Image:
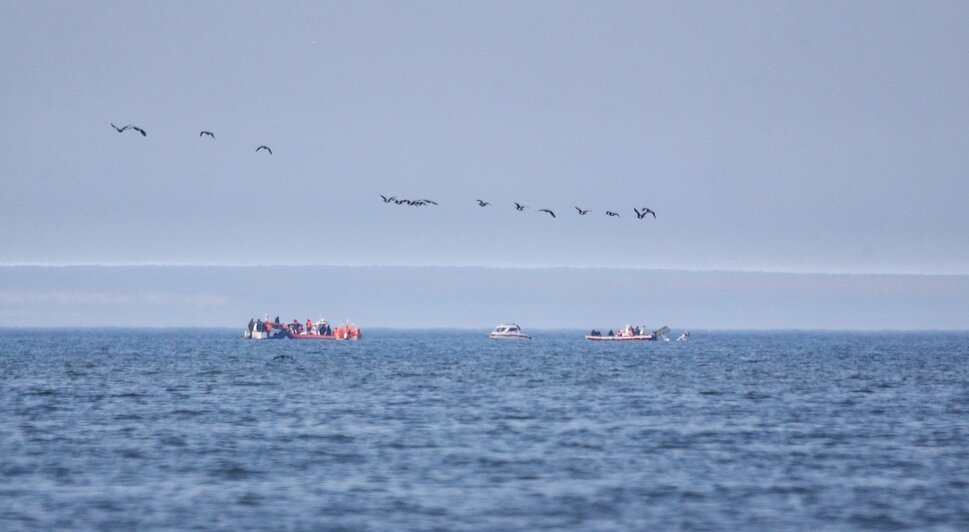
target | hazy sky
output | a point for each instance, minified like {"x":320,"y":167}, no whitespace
{"x":579,"y":298}
{"x":803,"y":136}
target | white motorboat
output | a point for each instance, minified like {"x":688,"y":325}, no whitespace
{"x":264,"y":330}
{"x":508,"y":331}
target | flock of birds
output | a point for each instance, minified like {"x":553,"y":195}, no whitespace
{"x":202,"y":133}
{"x":640,"y":214}
{"x":520,"y":207}
{"x":131,"y":127}
{"x":413,"y":203}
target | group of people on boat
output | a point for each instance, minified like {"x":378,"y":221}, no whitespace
{"x":321,"y":327}
{"x":264,"y":328}
{"x":321,"y":330}
{"x":623,"y":332}
{"x":258,"y":325}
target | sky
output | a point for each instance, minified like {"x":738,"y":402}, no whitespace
{"x":477,"y":298}
{"x":767,"y":136}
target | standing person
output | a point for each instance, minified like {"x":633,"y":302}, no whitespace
{"x":309,"y":326}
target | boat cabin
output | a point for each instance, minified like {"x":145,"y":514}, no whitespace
{"x":508,"y":328}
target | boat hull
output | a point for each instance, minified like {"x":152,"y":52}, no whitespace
{"x":330,"y":337}
{"x":263,"y":335}
{"x":639,"y":338}
{"x":494,"y":336}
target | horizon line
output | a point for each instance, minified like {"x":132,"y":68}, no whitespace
{"x":469,"y":266}
{"x":478,"y":329}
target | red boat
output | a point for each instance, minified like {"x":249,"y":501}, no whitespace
{"x":321,"y":330}
{"x":346,"y":332}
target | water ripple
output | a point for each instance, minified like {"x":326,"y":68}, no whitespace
{"x":448,"y":430}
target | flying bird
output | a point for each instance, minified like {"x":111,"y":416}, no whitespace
{"x":548,"y":211}
{"x":610,"y":213}
{"x":209,"y":133}
{"x":120,"y":129}
{"x":646,"y":210}
{"x":429,"y":201}
{"x":265,"y":148}
{"x":482,"y":203}
{"x":520,"y":207}
{"x":386,"y":199}
{"x":582,"y":212}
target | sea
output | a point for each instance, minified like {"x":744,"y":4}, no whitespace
{"x":179,"y":429}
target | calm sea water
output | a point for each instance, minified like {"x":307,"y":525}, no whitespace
{"x":449,"y":430}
